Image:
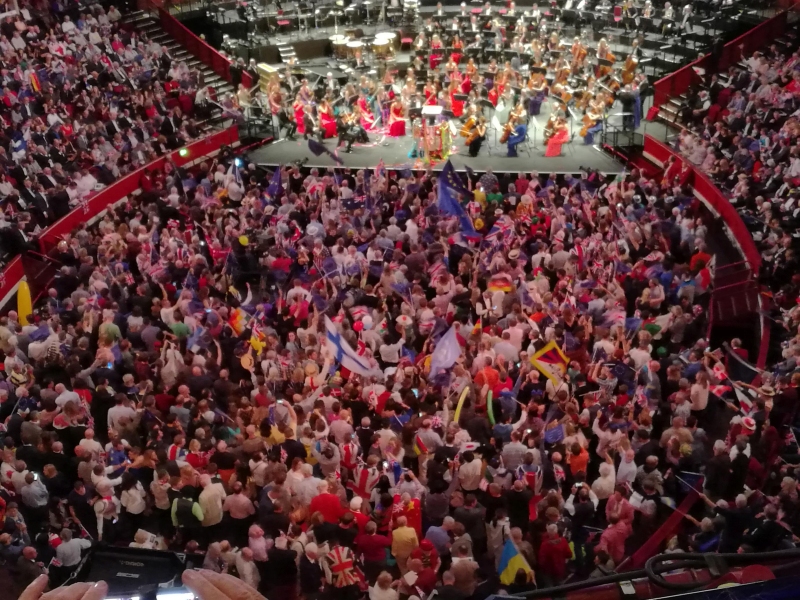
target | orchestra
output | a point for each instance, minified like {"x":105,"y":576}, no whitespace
{"x":488,"y":71}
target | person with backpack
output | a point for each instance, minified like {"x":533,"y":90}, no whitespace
{"x":187,"y":515}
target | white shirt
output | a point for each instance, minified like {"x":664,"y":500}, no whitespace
{"x":116,"y":413}
{"x":133,"y":499}
{"x":69,"y":553}
{"x":67,"y":396}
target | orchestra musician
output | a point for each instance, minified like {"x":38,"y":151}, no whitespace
{"x":397,"y":121}
{"x":668,"y":21}
{"x":647,"y":17}
{"x":344,"y":129}
{"x":476,"y":137}
{"x":579,"y":52}
{"x":594,"y":113}
{"x":311,"y":125}
{"x":686,"y":22}
{"x":604,"y":53}
{"x":518,"y":136}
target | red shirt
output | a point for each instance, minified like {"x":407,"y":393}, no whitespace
{"x":373,"y":547}
{"x":553,"y":556}
{"x":329,"y":505}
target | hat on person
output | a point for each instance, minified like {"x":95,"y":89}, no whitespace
{"x":426,"y":545}
{"x":766,"y":390}
{"x":404,"y":320}
{"x":749,"y":425}
{"x":514,"y":253}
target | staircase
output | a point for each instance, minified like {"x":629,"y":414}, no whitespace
{"x":287,"y":52}
{"x":144,"y":23}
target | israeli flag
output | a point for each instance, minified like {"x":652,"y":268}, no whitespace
{"x":344,"y":354}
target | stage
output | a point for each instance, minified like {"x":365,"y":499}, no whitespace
{"x":394,"y":152}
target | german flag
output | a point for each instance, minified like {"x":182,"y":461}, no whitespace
{"x":500,"y":283}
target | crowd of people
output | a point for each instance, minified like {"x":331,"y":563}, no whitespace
{"x":84,"y":100}
{"x":386,"y":382}
{"x":741,"y":130}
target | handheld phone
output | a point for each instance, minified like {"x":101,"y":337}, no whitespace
{"x":386,"y":464}
{"x":416,"y":392}
{"x":110,"y":365}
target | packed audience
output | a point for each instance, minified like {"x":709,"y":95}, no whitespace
{"x":326,"y":384}
{"x":338,"y":383}
{"x":84,"y":100}
{"x":742,"y":130}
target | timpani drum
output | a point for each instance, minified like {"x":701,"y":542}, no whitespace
{"x":381,"y":48}
{"x":390,"y":36}
{"x":354,"y":48}
{"x":339,"y":43}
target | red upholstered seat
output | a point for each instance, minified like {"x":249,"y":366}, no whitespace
{"x":283,"y":23}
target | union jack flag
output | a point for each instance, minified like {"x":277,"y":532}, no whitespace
{"x":436,"y":270}
{"x":342,"y":567}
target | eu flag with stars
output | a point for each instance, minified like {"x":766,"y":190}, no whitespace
{"x":448,"y":202}
{"x":275,"y":187}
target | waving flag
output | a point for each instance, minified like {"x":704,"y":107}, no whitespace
{"x":234,"y":170}
{"x":238,"y":320}
{"x":318,"y":149}
{"x":447,"y":202}
{"x":551,"y":362}
{"x":511,"y":561}
{"x":501,"y":282}
{"x":657,"y":325}
{"x":344,"y":354}
{"x":446,"y":352}
{"x":274,"y":188}
{"x":478,"y":328}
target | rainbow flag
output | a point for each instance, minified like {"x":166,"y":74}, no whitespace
{"x":238,"y":321}
{"x":500,"y":283}
{"x":551,"y":362}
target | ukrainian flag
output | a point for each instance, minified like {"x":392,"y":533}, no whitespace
{"x":511,"y":561}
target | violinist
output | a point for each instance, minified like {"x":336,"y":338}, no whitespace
{"x":311,"y":125}
{"x":668,"y":20}
{"x":436,"y":56}
{"x":476,"y":138}
{"x":344,"y":127}
{"x":553,"y":43}
{"x":536,"y":52}
{"x":458,"y":46}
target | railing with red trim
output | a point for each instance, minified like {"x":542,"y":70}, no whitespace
{"x":708,"y":192}
{"x":130,"y":183}
{"x":678,"y":82}
{"x":14,"y":271}
{"x":198,"y":48}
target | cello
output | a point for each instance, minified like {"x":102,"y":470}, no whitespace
{"x":509,"y":128}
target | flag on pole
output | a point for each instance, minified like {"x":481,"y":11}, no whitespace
{"x":275,"y":187}
{"x":447,"y":202}
{"x":477,"y":328}
{"x":551,"y":362}
{"x":445,"y":353}
{"x":511,"y":561}
{"x":343,"y":353}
